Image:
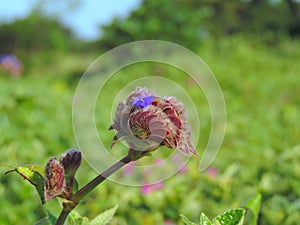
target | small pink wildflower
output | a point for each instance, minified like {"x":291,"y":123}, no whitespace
{"x":169,"y":222}
{"x":177,"y":158}
{"x":129,"y":168}
{"x":149,"y":188}
{"x":212,"y":172}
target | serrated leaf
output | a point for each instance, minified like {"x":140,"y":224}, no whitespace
{"x":104,"y":217}
{"x":204,"y":220}
{"x":231,"y":217}
{"x":76,"y":219}
{"x":186,"y":220}
{"x":254,"y":206}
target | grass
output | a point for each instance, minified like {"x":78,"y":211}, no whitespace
{"x":260,"y":152}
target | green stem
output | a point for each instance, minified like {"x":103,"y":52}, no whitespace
{"x":89,"y":187}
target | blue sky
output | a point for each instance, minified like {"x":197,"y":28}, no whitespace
{"x":84,"y":17}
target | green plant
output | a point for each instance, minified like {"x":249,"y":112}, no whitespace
{"x":260,"y":153}
{"x":230,"y":217}
{"x":145,"y":121}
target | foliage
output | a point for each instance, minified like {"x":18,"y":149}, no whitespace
{"x":260,"y":153}
{"x":230,"y":217}
{"x":101,"y":219}
{"x":254,"y":205}
{"x":186,"y":22}
{"x":189,"y":22}
{"x":156,"y":20}
{"x":33,"y":176}
{"x":35,"y":33}
{"x":75,"y":218}
{"x":231,"y":17}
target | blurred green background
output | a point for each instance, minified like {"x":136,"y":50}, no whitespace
{"x":253,"y":48}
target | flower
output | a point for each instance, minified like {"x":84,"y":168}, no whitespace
{"x":212,"y":172}
{"x":128,"y":169}
{"x":10,"y":64}
{"x":149,"y":188}
{"x":54,"y":183}
{"x":146,"y":121}
{"x":180,"y":161}
{"x":169,"y":222}
{"x":143,"y":99}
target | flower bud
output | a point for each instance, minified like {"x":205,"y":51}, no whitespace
{"x":146,"y":121}
{"x":54,"y":183}
{"x":70,"y":160}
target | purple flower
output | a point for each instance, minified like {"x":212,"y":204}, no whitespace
{"x":11,"y":64}
{"x":146,"y":121}
{"x":142,"y":98}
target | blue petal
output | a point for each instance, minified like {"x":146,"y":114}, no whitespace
{"x":144,"y":99}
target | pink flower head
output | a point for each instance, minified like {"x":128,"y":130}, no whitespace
{"x":128,"y":169}
{"x":178,"y":159}
{"x":212,"y":172}
{"x":149,"y":188}
{"x":169,"y":222}
{"x":159,"y":162}
{"x":184,"y":169}
{"x":146,"y":121}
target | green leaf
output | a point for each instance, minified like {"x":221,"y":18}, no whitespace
{"x":49,"y":220}
{"x":104,"y":217}
{"x":43,"y":221}
{"x":37,"y":168}
{"x":34,"y":177}
{"x":186,"y":220}
{"x":254,"y":206}
{"x":204,"y":220}
{"x":76,"y":219}
{"x":231,"y":217}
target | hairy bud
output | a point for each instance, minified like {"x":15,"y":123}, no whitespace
{"x":54,"y":183}
{"x":146,"y":121}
